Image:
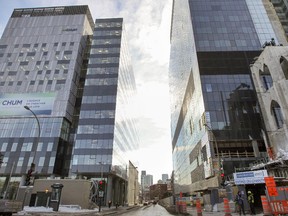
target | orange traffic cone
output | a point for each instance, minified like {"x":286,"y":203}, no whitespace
{"x":198,"y":207}
{"x":226,"y":207}
{"x":266,"y":206}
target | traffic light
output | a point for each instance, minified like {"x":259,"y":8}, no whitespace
{"x":28,"y":177}
{"x":29,"y":174}
{"x":222,"y":174}
{"x":101,"y":185}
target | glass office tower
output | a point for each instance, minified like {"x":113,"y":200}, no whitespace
{"x":41,"y":54}
{"x":107,"y":136}
{"x":215,"y":119}
{"x":77,"y":81}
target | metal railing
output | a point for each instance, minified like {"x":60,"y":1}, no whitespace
{"x":233,"y":154}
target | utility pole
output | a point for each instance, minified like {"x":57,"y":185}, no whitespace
{"x":32,"y":166}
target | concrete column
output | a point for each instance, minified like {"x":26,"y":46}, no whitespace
{"x":255,"y":148}
{"x":109,"y":195}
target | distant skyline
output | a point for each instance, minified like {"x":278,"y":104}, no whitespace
{"x":148,"y":27}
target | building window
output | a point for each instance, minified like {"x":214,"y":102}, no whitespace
{"x":26,"y":46}
{"x":266,"y":77}
{"x":39,"y":146}
{"x":4,"y":147}
{"x":52,"y":161}
{"x":284,"y":66}
{"x":41,"y":161}
{"x":24,"y":63}
{"x":50,"y":147}
{"x":277,"y":114}
{"x":208,"y":87}
{"x":14,"y":147}
{"x":26,"y":147}
{"x":20,"y":161}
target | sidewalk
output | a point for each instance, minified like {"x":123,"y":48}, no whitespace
{"x":104,"y":211}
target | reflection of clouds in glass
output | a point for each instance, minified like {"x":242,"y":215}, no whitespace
{"x":147,"y":25}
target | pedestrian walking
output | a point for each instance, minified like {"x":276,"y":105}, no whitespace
{"x":109,"y":203}
{"x":240,"y":202}
{"x":251,"y":202}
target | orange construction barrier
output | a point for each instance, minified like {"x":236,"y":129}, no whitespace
{"x":198,"y":207}
{"x":279,"y":207}
{"x":184,"y":207}
{"x":226,"y":207}
{"x":266,"y":206}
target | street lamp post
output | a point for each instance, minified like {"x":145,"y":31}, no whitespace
{"x":32,"y":167}
{"x":9,"y":179}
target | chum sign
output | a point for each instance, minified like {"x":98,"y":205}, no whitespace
{"x":13,"y":104}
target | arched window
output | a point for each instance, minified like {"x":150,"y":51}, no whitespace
{"x":284,"y":66}
{"x":265,"y":77}
{"x":277,"y":114}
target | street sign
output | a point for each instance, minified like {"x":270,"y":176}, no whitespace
{"x":272,"y":191}
{"x":101,"y":193}
{"x":271,"y":186}
{"x":270,"y":182}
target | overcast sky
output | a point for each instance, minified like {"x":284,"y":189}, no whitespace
{"x":147,"y":24}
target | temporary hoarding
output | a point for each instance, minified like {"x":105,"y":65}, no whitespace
{"x":250,"y":177}
{"x":39,"y":103}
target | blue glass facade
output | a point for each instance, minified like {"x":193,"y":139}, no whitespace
{"x":79,"y":82}
{"x":106,"y":131}
{"x":214,"y":110}
{"x":41,"y":55}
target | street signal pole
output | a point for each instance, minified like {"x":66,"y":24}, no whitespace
{"x":222,"y":173}
{"x":101,"y":192}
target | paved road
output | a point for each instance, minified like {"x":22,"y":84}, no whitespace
{"x":151,"y":210}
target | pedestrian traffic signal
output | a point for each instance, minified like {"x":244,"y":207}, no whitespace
{"x":101,"y":185}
